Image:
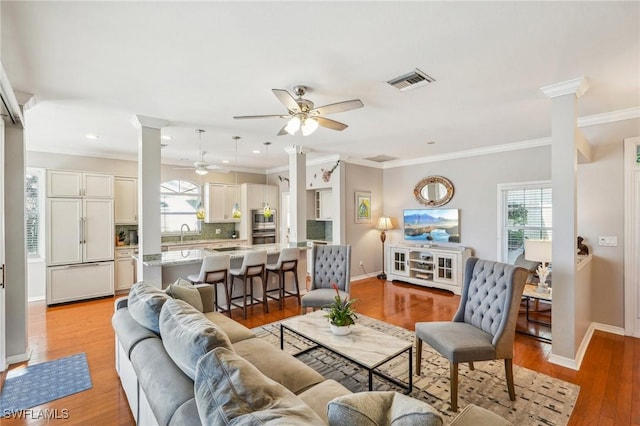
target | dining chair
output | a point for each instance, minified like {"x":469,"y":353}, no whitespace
{"x":484,"y":326}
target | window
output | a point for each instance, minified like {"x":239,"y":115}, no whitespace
{"x":179,"y":200}
{"x":33,"y":212}
{"x":526,"y":211}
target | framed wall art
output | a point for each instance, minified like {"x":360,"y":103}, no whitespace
{"x":363,"y":206}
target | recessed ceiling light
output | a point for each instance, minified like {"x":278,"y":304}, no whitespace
{"x":225,"y":161}
{"x":92,"y":136}
{"x":166,"y":137}
{"x":256,"y":151}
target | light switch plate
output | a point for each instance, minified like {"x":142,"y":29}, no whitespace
{"x":607,"y":241}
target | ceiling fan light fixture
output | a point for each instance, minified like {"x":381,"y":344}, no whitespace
{"x":309,"y":126}
{"x":202,"y":171}
{"x":293,"y":125}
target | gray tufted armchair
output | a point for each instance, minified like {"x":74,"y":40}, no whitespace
{"x":331,"y":265}
{"x":484,"y":327}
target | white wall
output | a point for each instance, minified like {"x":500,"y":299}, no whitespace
{"x":363,"y":237}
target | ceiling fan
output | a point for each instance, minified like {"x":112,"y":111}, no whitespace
{"x":302,"y":114}
{"x":200,"y":166}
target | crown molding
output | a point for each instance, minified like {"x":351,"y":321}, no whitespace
{"x":297,"y":149}
{"x":578,"y":86}
{"x":609,"y":117}
{"x":533,"y":143}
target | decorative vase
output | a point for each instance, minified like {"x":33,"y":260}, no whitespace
{"x":340,"y":330}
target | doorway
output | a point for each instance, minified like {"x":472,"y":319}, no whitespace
{"x":632,"y":237}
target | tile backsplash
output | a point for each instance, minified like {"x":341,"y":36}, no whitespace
{"x":319,"y":230}
{"x":207,"y":232}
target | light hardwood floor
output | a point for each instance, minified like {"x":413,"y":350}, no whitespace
{"x":609,"y":377}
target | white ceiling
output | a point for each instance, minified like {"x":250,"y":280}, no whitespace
{"x":93,"y":65}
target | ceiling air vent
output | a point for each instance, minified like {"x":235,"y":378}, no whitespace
{"x":411,"y":81}
{"x":381,"y":158}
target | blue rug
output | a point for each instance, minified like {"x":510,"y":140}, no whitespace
{"x":41,"y":383}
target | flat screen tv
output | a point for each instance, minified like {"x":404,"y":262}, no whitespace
{"x":434,"y":225}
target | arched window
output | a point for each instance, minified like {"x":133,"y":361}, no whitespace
{"x":179,"y":200}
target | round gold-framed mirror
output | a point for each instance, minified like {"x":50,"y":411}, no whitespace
{"x":433,"y":191}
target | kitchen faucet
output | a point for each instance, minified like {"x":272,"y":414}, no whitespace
{"x":182,"y":231}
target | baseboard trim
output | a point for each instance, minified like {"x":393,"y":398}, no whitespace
{"x":36,"y":299}
{"x":14,"y":359}
{"x":608,"y":328}
{"x":575,"y":364}
{"x":363,"y":277}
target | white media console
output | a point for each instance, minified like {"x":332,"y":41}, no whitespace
{"x":429,"y":266}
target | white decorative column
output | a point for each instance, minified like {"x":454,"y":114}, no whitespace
{"x":15,"y":278}
{"x":297,"y":193}
{"x":570,"y":300}
{"x":149,"y":180}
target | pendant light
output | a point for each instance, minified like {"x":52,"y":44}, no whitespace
{"x":266,"y":211}
{"x":235,"y":211}
{"x":201,"y":167}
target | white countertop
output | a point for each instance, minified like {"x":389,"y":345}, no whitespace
{"x":183,"y":257}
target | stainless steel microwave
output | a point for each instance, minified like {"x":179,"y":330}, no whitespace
{"x":258,"y":221}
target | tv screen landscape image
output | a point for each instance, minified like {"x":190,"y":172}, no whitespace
{"x":434,"y":225}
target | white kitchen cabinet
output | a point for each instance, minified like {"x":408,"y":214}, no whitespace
{"x":76,"y":282}
{"x":125,"y":270}
{"x":323,"y":204}
{"x":125,"y":200}
{"x":219,"y":200}
{"x":435,"y":266}
{"x":64,"y":183}
{"x":256,"y":195}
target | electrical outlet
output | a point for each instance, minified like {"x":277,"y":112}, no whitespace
{"x":361,"y":263}
{"x":218,"y":231}
{"x":607,"y":241}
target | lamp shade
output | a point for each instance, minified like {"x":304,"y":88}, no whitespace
{"x":537,"y":250}
{"x":384,"y":223}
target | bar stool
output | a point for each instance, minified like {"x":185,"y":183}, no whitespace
{"x":287,"y":262}
{"x":253,"y":266}
{"x":215,"y":271}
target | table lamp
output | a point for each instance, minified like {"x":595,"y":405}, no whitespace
{"x":539,"y":251}
{"x":384,"y":224}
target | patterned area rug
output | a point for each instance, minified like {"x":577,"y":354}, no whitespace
{"x":41,"y":383}
{"x":540,"y":399}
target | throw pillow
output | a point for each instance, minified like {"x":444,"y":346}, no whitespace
{"x":229,"y":390}
{"x":144,"y":304}
{"x":185,"y":291}
{"x":187,"y":335}
{"x":377,"y":408}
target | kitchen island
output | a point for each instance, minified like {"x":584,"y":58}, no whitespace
{"x":180,"y":263}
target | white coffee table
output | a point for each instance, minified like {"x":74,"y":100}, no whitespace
{"x":364,"y":346}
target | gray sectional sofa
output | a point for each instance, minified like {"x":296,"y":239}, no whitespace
{"x":181,"y":363}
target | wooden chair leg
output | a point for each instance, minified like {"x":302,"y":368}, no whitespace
{"x":508,"y":372}
{"x":454,"y":386}
{"x":227,"y":292}
{"x":471,"y":367}
{"x":244,"y":297}
{"x":418,"y":355}
{"x":281,"y":284}
{"x":263,"y":277}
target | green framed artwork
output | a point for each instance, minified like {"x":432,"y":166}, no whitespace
{"x":363,"y":207}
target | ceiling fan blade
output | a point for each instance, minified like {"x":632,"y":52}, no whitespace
{"x":243,"y":117}
{"x":283,"y":131}
{"x":330,"y":124}
{"x":337,"y":107}
{"x":286,"y":99}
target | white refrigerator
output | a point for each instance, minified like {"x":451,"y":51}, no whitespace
{"x":80,"y":248}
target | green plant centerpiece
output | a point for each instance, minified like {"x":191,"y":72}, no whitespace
{"x":341,"y":313}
